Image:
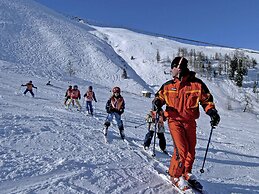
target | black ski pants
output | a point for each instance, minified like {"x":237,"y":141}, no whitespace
{"x":161,"y":137}
{"x":28,"y":91}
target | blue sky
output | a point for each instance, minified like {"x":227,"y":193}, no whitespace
{"x":233,"y":23}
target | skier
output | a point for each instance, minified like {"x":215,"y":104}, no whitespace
{"x":68,"y":95}
{"x":76,"y":96}
{"x":182,"y":96}
{"x":150,"y":119}
{"x":29,"y":86}
{"x":115,"y":107}
{"x":89,"y":97}
{"x":48,"y":84}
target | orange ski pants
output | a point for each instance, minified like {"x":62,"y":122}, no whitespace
{"x":184,"y":138}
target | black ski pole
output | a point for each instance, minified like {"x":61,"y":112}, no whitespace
{"x":140,"y":125}
{"x":156,"y":122}
{"x":201,"y":170}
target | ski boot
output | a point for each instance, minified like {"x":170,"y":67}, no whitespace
{"x":181,"y":183}
{"x":121,"y":128}
{"x":105,"y":129}
{"x":193,"y":182}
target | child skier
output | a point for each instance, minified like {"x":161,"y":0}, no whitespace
{"x":29,"y":86}
{"x":68,"y":95}
{"x":115,"y":107}
{"x":89,"y":97}
{"x":76,"y":96}
{"x":150,"y":119}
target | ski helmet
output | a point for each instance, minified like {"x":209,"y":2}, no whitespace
{"x":116,"y":90}
{"x":30,"y":81}
{"x":70,"y":87}
{"x":90,"y":87}
{"x":75,"y":87}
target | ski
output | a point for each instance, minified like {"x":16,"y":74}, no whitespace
{"x":196,"y":185}
{"x":105,"y":134}
{"x":162,"y":170}
{"x":147,"y":150}
{"x":167,"y":153}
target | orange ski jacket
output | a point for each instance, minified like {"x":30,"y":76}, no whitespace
{"x":29,"y":86}
{"x":182,"y":97}
{"x":75,"y":94}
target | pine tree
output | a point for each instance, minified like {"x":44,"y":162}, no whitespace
{"x":158,"y":58}
{"x":233,"y":68}
{"x":255,"y":87}
{"x":239,"y":78}
{"x":240,"y":74}
{"x":254,"y":63}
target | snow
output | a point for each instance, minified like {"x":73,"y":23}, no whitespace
{"x":47,"y":149}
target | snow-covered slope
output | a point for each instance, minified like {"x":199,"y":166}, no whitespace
{"x":42,"y":43}
{"x":143,"y":48}
{"x":47,"y":149}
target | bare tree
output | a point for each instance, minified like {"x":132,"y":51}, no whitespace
{"x":70,"y":69}
{"x":229,"y":106}
{"x":248,"y":105}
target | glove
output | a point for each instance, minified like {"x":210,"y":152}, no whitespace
{"x":108,"y":110}
{"x":121,"y":111}
{"x":157,"y":104}
{"x":215,"y":118}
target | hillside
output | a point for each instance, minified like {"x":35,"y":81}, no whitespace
{"x":35,"y":37}
{"x":48,"y":149}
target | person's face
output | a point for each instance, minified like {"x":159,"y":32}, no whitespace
{"x":116,"y":94}
{"x":175,"y":71}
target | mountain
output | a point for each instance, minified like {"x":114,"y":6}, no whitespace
{"x":48,"y":149}
{"x":53,"y":42}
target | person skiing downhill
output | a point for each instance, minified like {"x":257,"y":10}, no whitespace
{"x":29,"y":86}
{"x":115,"y":107}
{"x":89,"y":97}
{"x":68,"y":95}
{"x":150,"y":119}
{"x":76,"y":96}
{"x":182,"y":96}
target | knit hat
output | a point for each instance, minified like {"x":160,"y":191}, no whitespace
{"x":181,"y":62}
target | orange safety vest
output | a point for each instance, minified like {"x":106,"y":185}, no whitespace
{"x":182,"y":98}
{"x":29,"y":86}
{"x":89,"y":96}
{"x":75,"y":94}
{"x":69,"y":92}
{"x":117,"y":103}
